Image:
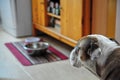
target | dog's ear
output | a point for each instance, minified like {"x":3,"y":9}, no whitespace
{"x":112,"y":39}
{"x":94,"y":51}
{"x":74,"y":57}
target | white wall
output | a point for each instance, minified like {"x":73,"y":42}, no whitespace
{"x":0,"y":19}
{"x":16,"y":17}
{"x":6,"y":15}
{"x":118,"y":22}
{"x":0,"y":16}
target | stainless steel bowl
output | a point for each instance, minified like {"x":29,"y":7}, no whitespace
{"x":36,"y":48}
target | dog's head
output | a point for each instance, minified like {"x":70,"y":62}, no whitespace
{"x":90,"y":48}
{"x":86,"y":49}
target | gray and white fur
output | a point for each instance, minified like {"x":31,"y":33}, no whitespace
{"x":96,"y":48}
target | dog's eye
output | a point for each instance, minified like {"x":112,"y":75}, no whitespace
{"x":89,"y":52}
{"x":93,"y":47}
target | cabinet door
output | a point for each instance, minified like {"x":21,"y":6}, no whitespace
{"x":34,"y":11}
{"x":41,"y":12}
{"x":71,"y":18}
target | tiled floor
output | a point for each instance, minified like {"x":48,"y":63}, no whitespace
{"x":11,"y":69}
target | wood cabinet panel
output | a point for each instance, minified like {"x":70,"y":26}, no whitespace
{"x":35,"y":11}
{"x":71,"y":27}
{"x":103,"y":17}
{"x":41,"y":12}
{"x":71,"y":18}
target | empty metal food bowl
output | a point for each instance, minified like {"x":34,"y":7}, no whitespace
{"x":36,"y":48}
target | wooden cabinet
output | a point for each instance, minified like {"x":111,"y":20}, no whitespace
{"x":41,"y":12}
{"x":71,"y":18}
{"x":104,"y":17}
{"x":34,"y":11}
{"x":72,"y":15}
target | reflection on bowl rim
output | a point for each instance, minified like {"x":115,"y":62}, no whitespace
{"x":47,"y":45}
{"x":32,"y":39}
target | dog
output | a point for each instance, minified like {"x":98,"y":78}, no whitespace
{"x":103,"y":51}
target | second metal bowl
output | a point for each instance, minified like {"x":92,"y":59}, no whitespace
{"x":36,"y":48}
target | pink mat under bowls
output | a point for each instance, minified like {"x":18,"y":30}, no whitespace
{"x":24,"y":58}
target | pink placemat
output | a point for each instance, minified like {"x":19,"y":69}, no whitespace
{"x":24,"y":58}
